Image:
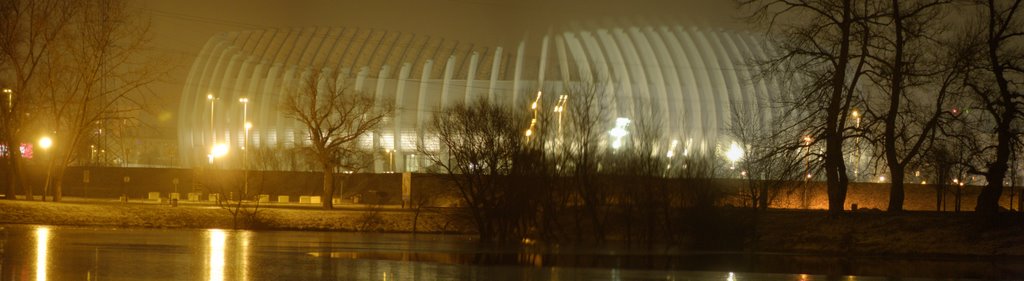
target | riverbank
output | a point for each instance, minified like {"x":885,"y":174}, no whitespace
{"x":879,"y":233}
{"x":265,"y":217}
{"x":785,"y":231}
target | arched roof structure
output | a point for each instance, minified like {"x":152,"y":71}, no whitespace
{"x":693,"y":77}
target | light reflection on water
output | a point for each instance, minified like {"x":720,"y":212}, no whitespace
{"x":216,"y":253}
{"x":42,"y":249}
{"x":66,"y":253}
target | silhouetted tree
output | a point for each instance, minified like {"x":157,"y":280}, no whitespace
{"x":770,"y":162}
{"x":993,"y":79}
{"x":482,"y":151}
{"x":335,"y":117}
{"x":822,"y":49}
{"x":86,"y":65}
{"x":917,"y":76}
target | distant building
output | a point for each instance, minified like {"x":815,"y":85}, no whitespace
{"x":693,"y":77}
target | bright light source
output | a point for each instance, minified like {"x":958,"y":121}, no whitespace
{"x":856,"y":113}
{"x":924,"y":182}
{"x":620,"y":128}
{"x":219,"y":150}
{"x":243,"y":100}
{"x":209,"y":96}
{"x":619,"y":131}
{"x":735,"y":152}
{"x":45,"y":142}
{"x":881,"y":178}
{"x":529,"y":132}
{"x":534,"y":106}
{"x":248,"y":125}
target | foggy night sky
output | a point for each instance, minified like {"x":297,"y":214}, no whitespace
{"x":181,"y":27}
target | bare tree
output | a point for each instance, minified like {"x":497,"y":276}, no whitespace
{"x":992,"y":80}
{"x":86,"y":67}
{"x":29,"y":33}
{"x":770,"y":162}
{"x":105,"y":82}
{"x":909,"y":65}
{"x":823,"y":46}
{"x":335,"y":117}
{"x":640,"y":166}
{"x":584,"y":130}
{"x":483,"y":146}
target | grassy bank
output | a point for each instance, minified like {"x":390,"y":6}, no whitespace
{"x":812,"y":232}
{"x":212,"y":216}
{"x":880,"y":233}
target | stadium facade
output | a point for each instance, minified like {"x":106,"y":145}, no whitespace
{"x":694,"y":77}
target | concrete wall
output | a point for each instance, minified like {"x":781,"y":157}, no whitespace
{"x":107,"y":182}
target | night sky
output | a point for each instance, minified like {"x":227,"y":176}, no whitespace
{"x":181,"y":27}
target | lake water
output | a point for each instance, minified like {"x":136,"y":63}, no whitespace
{"x":73,"y":253}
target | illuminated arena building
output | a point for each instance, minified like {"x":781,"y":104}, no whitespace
{"x":693,"y":76}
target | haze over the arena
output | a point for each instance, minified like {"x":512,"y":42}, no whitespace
{"x":181,"y":27}
{"x":186,"y":24}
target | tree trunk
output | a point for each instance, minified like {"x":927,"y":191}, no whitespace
{"x":763,"y":198}
{"x":988,"y":199}
{"x":9,"y":187}
{"x":895,"y":94}
{"x":58,"y":184}
{"x":835,"y":169}
{"x":19,"y":169}
{"x":896,"y":191}
{"x":327,"y":197}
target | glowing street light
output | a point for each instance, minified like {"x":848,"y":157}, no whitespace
{"x":807,"y":155}
{"x":619,"y":131}
{"x":391,"y":160}
{"x":219,"y":150}
{"x":45,"y":142}
{"x":559,"y":108}
{"x":533,"y":123}
{"x":734,"y":154}
{"x":856,"y":145}
{"x":10,"y":98}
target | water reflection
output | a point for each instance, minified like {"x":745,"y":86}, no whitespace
{"x":42,"y":249}
{"x":246,"y":236}
{"x":67,"y":253}
{"x":216,"y":252}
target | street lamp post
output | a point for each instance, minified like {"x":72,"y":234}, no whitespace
{"x":45,"y":143}
{"x":807,"y":156}
{"x":213,"y":131}
{"x":533,"y":122}
{"x":391,"y":161}
{"x":124,"y":188}
{"x":245,"y":145}
{"x":559,"y":108}
{"x":10,"y":99}
{"x":856,"y":146}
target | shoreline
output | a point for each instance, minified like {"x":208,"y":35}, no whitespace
{"x":864,"y":234}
